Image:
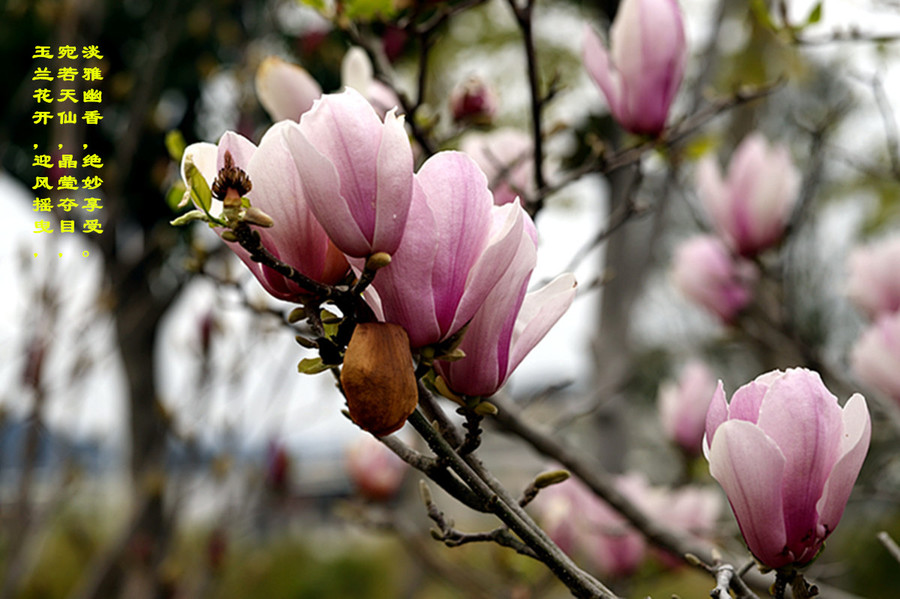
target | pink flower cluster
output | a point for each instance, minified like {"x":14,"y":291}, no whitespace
{"x":874,"y":286}
{"x":583,"y":524}
{"x":749,"y":210}
{"x":340,"y":186}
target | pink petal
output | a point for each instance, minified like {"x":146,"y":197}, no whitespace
{"x":285,"y":90}
{"x":854,"y":445}
{"x":320,"y":182}
{"x":241,"y":149}
{"x":749,"y":466}
{"x":394,"y":178}
{"x":539,"y":312}
{"x":803,"y":418}
{"x":717,"y":414}
{"x":598,"y":65}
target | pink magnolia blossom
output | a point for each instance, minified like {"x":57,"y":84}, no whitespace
{"x":457,"y":247}
{"x":357,"y":72}
{"x":751,"y":207}
{"x":787,"y":456}
{"x":683,"y":405}
{"x":507,"y":325}
{"x":581,"y":523}
{"x":642,"y":70}
{"x":296,"y":237}
{"x":873,"y":284}
{"x":285,"y":90}
{"x":505,"y":156}
{"x":376,"y":471}
{"x":876,"y":355}
{"x":474,"y":102}
{"x":706,"y":273}
{"x":356,"y":172}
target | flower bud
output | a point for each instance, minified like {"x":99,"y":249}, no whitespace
{"x":473,"y":102}
{"x":378,"y":378}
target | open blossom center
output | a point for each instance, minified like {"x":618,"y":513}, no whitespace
{"x":231,"y":184}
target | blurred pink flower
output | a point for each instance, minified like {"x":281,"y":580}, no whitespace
{"x":787,"y":456}
{"x":296,"y":237}
{"x":457,"y":247}
{"x":285,"y":90}
{"x":874,"y":283}
{"x":683,"y":405}
{"x":376,"y":471}
{"x":357,"y":72}
{"x":473,"y":102}
{"x":356,"y":172}
{"x":581,"y":523}
{"x":876,"y":355}
{"x":505,"y":156}
{"x":706,"y":273}
{"x":642,"y":70}
{"x":750,"y":208}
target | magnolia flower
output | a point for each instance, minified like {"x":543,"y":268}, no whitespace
{"x":457,"y":247}
{"x":750,"y":208}
{"x":296,"y":238}
{"x":873,"y":284}
{"x":509,"y":323}
{"x":683,"y":405}
{"x":505,"y":155}
{"x":581,"y":523}
{"x":473,"y":102}
{"x":285,"y":90}
{"x":706,"y":272}
{"x":876,"y":356}
{"x":641,"y":72}
{"x":356,"y":172}
{"x":786,"y":455}
{"x":376,"y":471}
{"x":357,"y":72}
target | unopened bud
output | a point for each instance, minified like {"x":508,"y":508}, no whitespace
{"x":425,"y":492}
{"x":255,"y":216}
{"x":378,"y":260}
{"x":296,"y":315}
{"x":378,"y":378}
{"x":485,"y":408}
{"x":548,"y":479}
{"x":473,"y":102}
{"x":189,"y":217}
{"x":229,"y":236}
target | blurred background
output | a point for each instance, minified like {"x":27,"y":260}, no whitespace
{"x":155,"y":437}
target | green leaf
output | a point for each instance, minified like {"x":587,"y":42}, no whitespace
{"x":368,"y":10}
{"x":761,"y":11}
{"x":815,"y":15}
{"x":330,"y":322}
{"x":198,"y":187}
{"x":175,"y":196}
{"x":311,"y":366}
{"x":175,"y":144}
{"x":189,"y":217}
{"x":318,"y":5}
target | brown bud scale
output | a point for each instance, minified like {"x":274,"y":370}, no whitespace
{"x":378,"y":378}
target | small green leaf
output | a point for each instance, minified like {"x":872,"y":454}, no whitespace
{"x":175,"y":196}
{"x":368,"y":10}
{"x":815,"y":15}
{"x":311,"y":366}
{"x":175,"y":144}
{"x":330,"y":323}
{"x":318,"y":5}
{"x":198,"y":186}
{"x":189,"y":217}
{"x":760,"y":10}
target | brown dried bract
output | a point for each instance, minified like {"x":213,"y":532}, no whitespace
{"x":378,"y":377}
